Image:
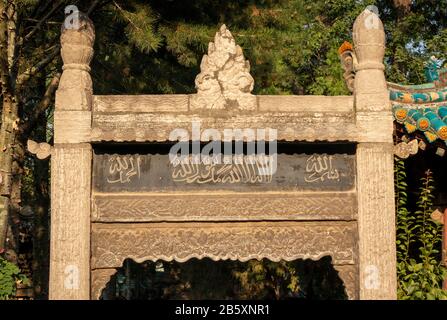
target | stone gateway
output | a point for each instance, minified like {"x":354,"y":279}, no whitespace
{"x":116,"y":194}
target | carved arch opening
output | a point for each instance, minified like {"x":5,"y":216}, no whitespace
{"x":225,"y":280}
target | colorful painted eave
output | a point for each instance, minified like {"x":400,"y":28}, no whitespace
{"x":419,"y":108}
{"x":423,"y":107}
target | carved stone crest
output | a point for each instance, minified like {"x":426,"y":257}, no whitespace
{"x":224,"y":81}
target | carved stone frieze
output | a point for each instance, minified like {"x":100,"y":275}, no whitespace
{"x":290,"y":126}
{"x":224,"y":207}
{"x":112,"y":244}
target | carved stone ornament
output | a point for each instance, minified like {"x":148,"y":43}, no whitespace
{"x":42,"y":150}
{"x":348,"y":62}
{"x":224,"y":81}
{"x":437,"y":216}
{"x":113,"y":243}
{"x":403,"y":150}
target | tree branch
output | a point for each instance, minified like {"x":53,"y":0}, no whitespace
{"x":43,"y":105}
{"x":22,"y":40}
{"x":27,"y":74}
{"x":41,"y":6}
{"x":41,"y":21}
{"x":12,"y":40}
{"x":92,"y":7}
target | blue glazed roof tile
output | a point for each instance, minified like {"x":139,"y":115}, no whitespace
{"x":422,"y":107}
{"x":429,"y":120}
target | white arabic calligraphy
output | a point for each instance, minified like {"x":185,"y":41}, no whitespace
{"x":319,"y":168}
{"x":122,"y":168}
{"x":243,"y":172}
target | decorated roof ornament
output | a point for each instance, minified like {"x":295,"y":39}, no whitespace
{"x":418,"y":108}
{"x":348,"y":60}
{"x":432,"y":71}
{"x":423,"y":107}
{"x":225,"y":81}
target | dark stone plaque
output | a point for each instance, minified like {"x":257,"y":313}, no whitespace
{"x":145,"y":171}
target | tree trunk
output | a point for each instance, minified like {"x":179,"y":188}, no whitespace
{"x":8,"y":129}
{"x":8,"y":135}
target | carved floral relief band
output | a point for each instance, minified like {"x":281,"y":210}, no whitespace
{"x":211,"y":206}
{"x":111,"y":244}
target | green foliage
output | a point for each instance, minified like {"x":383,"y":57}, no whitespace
{"x":291,"y":45}
{"x":290,"y":50}
{"x":259,"y":279}
{"x":419,"y":270}
{"x":139,"y":21}
{"x":227,"y":280}
{"x":10,"y":275}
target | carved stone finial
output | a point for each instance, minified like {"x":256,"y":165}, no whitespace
{"x":224,"y":81}
{"x":369,"y":41}
{"x":75,"y":87}
{"x":77,"y":41}
{"x":370,"y":87}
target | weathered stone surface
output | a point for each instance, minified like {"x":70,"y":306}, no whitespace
{"x":42,"y":150}
{"x":113,"y":243}
{"x":319,"y":106}
{"x":377,"y":234}
{"x":70,"y":222}
{"x":141,"y":103}
{"x":71,"y":163}
{"x":179,"y":103}
{"x":375,"y":171}
{"x":214,"y":225}
{"x":72,"y":126}
{"x":291,"y":126}
{"x":224,"y":207}
{"x":403,"y":149}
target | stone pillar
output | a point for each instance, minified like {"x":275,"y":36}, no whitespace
{"x":375,"y":170}
{"x":71,"y":166}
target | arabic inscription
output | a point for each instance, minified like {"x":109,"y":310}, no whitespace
{"x":320,"y":168}
{"x":123,"y":168}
